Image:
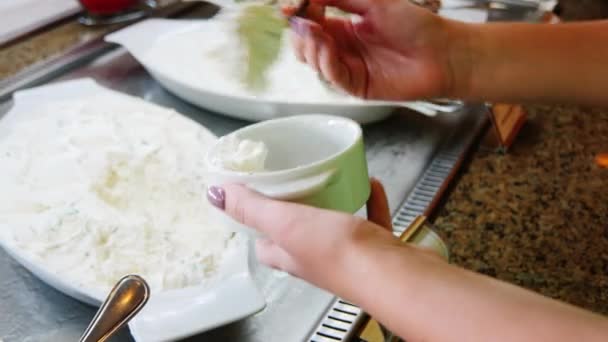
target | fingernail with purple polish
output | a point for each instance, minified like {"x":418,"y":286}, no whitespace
{"x":217,"y":197}
{"x":298,"y":26}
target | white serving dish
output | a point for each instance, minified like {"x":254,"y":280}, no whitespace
{"x":168,"y":315}
{"x":141,"y":37}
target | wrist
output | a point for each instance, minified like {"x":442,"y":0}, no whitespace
{"x":369,"y":261}
{"x":462,"y":55}
{"x":362,"y":257}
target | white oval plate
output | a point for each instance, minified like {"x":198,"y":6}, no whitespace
{"x":139,"y":38}
{"x":168,"y":315}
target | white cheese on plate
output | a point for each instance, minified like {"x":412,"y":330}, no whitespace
{"x":100,"y":187}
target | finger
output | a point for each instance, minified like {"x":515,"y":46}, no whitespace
{"x":300,"y":29}
{"x":301,"y":26}
{"x":317,"y":48}
{"x":312,"y":39}
{"x":298,"y":46}
{"x":287,"y":224}
{"x":378,"y":210}
{"x":330,"y":66}
{"x":314,"y":12}
{"x":312,"y":45}
{"x":353,"y":6}
{"x":272,"y":255}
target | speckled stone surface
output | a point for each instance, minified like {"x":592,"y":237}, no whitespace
{"x":583,"y":9}
{"x":538,"y":216}
{"x":24,"y":52}
{"x":60,"y":37}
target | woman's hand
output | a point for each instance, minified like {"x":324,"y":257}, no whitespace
{"x":399,"y":51}
{"x":398,"y":284}
{"x":396,"y":51}
{"x":317,"y":245}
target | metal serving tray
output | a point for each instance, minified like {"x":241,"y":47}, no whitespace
{"x":398,"y":151}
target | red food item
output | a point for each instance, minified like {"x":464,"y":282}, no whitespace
{"x":288,"y":11}
{"x":105,"y":7}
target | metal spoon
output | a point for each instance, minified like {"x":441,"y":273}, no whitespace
{"x":125,"y":300}
{"x":424,"y":107}
{"x":494,"y":4}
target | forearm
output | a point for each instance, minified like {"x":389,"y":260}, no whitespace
{"x":421,"y":298}
{"x":563,"y":63}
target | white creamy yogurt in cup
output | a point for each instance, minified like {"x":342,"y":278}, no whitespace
{"x":242,"y":155}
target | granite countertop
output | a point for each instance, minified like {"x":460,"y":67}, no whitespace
{"x":536,"y":216}
{"x":39,"y":47}
{"x":58,"y":38}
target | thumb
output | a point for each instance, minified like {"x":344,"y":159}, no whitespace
{"x":314,"y":12}
{"x":289,"y":225}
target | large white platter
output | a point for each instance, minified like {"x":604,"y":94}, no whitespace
{"x":138,"y":39}
{"x":169,"y":315}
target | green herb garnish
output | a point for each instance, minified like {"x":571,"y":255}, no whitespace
{"x":260,"y":29}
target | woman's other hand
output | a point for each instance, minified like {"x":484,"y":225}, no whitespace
{"x":394,"y":51}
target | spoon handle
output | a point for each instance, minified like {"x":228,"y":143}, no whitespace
{"x":424,"y":107}
{"x":125,"y":300}
{"x":450,"y":107}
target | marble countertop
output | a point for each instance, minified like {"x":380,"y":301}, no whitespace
{"x":536,"y":216}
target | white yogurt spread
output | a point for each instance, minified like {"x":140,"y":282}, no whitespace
{"x":232,"y":153}
{"x":211,"y":58}
{"x":105,"y":186}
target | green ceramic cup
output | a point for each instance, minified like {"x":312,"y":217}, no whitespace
{"x":313,"y":159}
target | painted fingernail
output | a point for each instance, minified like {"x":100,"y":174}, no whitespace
{"x":298,"y":26}
{"x":217,"y":197}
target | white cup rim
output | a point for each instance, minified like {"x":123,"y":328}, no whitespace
{"x":346,"y":122}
